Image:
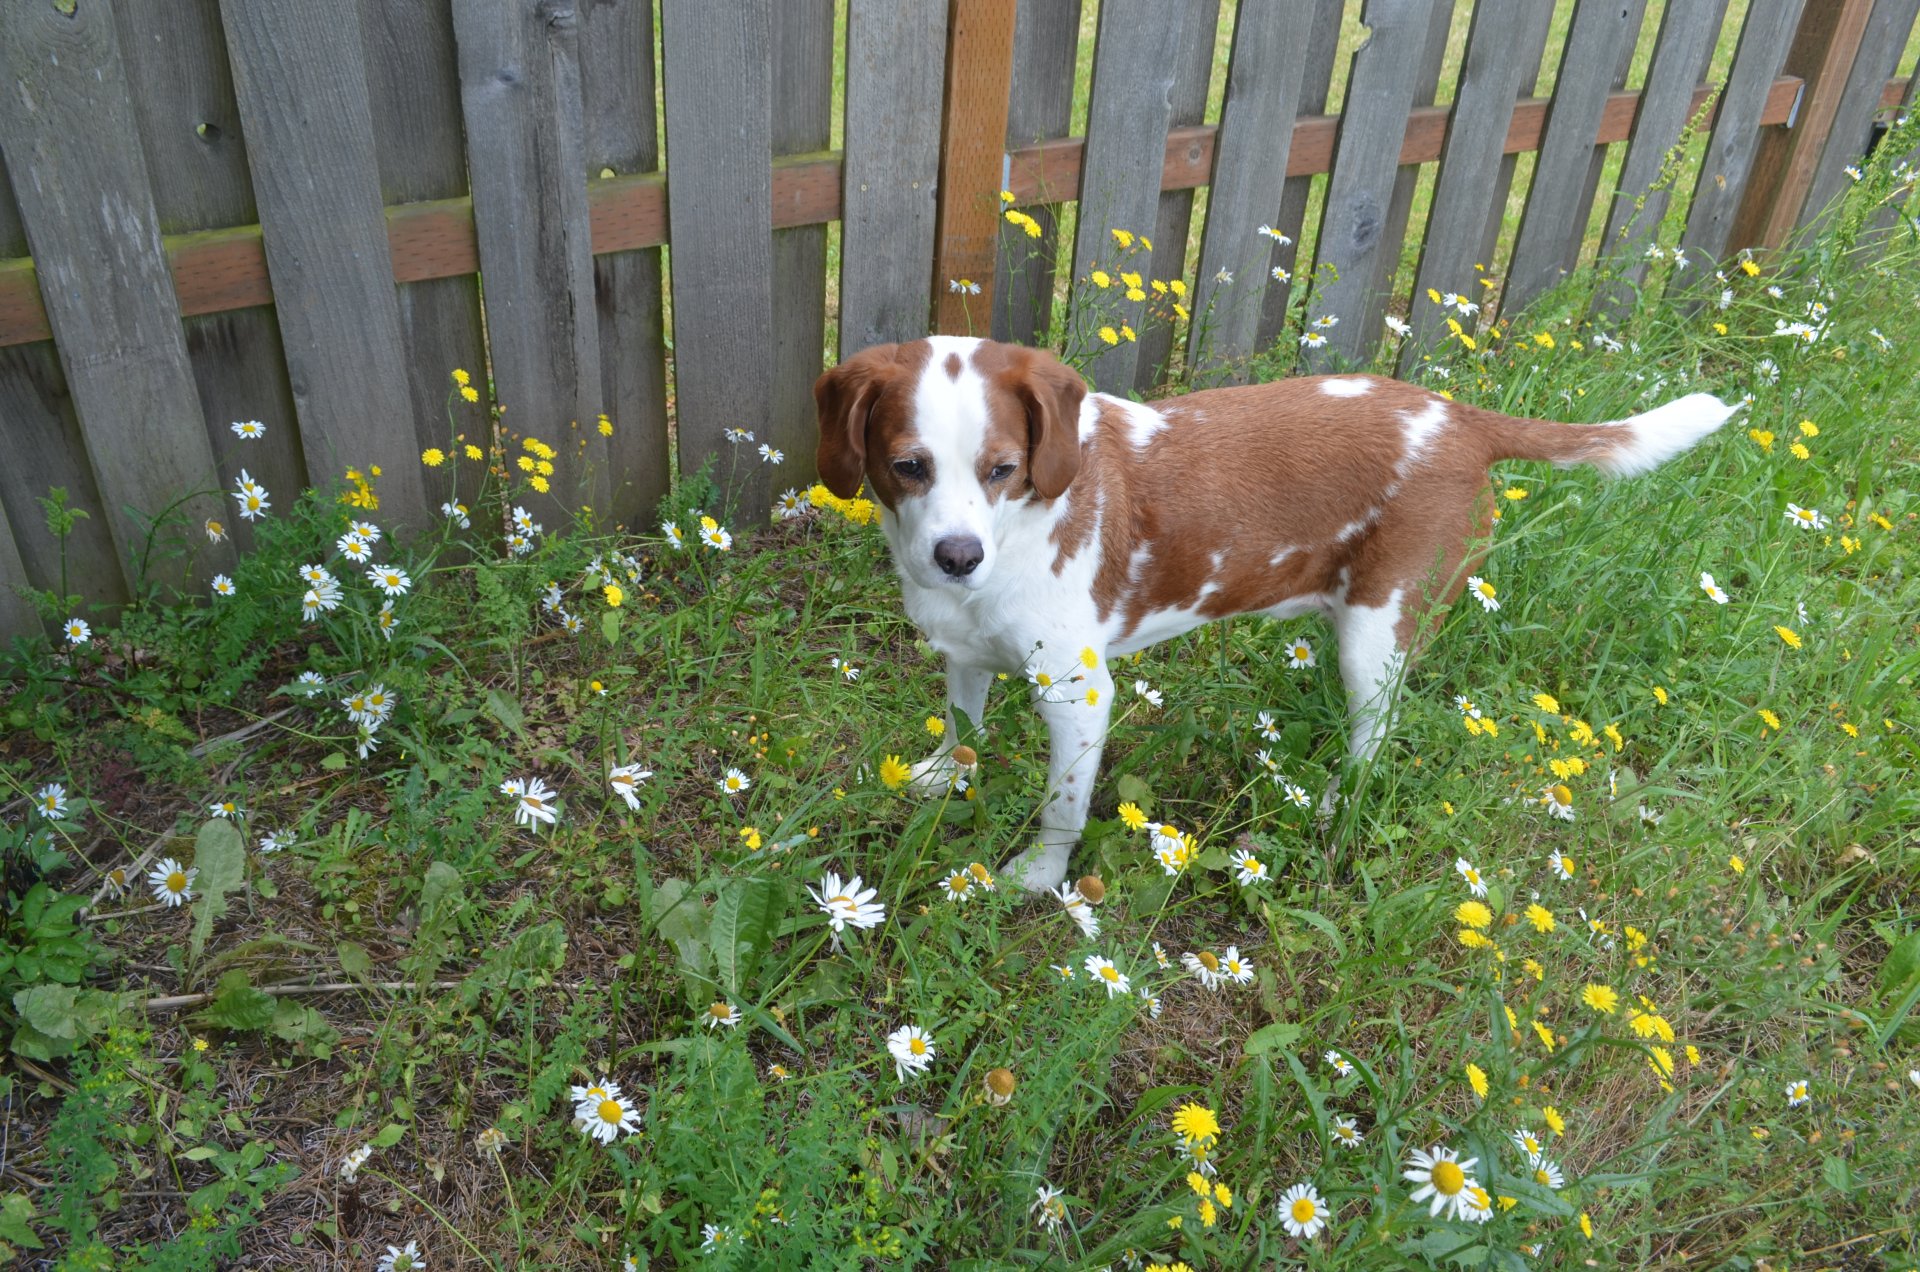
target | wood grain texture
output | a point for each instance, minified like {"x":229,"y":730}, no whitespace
{"x":1823,"y":50}
{"x":73,"y":151}
{"x":526,"y":159}
{"x":622,"y":138}
{"x":1353,"y":223}
{"x":896,"y":64}
{"x":1888,"y":29}
{"x":1734,"y":143}
{"x":1039,"y":107}
{"x":1681,"y":54}
{"x":1548,"y":242}
{"x":1466,"y":189}
{"x":979,"y":74}
{"x":1200,"y":24}
{"x":803,"y":124}
{"x":1323,"y":44}
{"x":196,"y":154}
{"x":718,"y":64}
{"x":300,"y":79}
{"x":1529,"y":48}
{"x":1264,"y":79}
{"x":419,"y":143}
{"x":1135,"y":58}
{"x":1393,"y":238}
{"x":17,"y":617}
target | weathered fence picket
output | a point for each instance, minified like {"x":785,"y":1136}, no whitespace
{"x":309,"y":202}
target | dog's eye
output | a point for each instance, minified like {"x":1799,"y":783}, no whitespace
{"x":1001,"y":472}
{"x":911,"y":469}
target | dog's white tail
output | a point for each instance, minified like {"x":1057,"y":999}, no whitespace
{"x":1654,"y":437}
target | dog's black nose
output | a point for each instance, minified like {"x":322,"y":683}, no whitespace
{"x":958,"y":555}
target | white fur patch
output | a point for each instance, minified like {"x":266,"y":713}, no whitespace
{"x":1345,"y":388}
{"x":1142,"y":420}
{"x":1420,"y":426}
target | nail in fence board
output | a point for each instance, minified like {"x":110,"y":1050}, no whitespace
{"x":1603,"y":32}
{"x":1200,"y":25}
{"x":803,"y":123}
{"x":1353,"y":222}
{"x":1688,"y":31}
{"x":413,"y":76}
{"x":73,"y":152}
{"x":896,"y":68}
{"x":300,"y":77}
{"x":617,"y":96}
{"x":1046,"y":40}
{"x":1735,"y":140}
{"x":196,"y":155}
{"x":1264,"y":79}
{"x":1880,"y":49}
{"x":526,"y":156}
{"x":1134,"y":60}
{"x":1467,"y":189}
{"x":1323,"y":43}
{"x":719,"y":95}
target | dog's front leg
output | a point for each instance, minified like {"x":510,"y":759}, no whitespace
{"x":1076,"y":716}
{"x":966,"y":696}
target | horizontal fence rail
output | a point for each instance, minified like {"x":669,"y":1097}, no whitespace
{"x":308,"y":212}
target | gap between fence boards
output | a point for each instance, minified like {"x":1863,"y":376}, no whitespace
{"x":219,"y":270}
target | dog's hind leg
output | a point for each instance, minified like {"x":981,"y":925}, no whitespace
{"x":966,"y":697}
{"x":1372,"y":661}
{"x":1076,"y":716}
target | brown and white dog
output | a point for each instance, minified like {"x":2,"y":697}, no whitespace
{"x":1031,"y":520}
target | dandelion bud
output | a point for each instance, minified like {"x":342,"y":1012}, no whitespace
{"x":1092,"y":888}
{"x":965,"y":756}
{"x":999,"y":1084}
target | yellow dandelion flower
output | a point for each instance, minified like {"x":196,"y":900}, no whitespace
{"x":1122,"y":237}
{"x":1547,"y":702}
{"x":1601,"y":998}
{"x":1477,"y":1077}
{"x":1660,"y":694}
{"x":1787,"y":634}
{"x":1130,"y":814}
{"x":474,"y":453}
{"x":470,"y":393}
{"x":1474,"y":940}
{"x":1738,"y":864}
{"x":1555,"y":1123}
{"x":1808,"y":428}
{"x":1474,"y":914}
{"x":1540,"y":917}
{"x":614,"y":595}
{"x":1109,"y":335}
{"x":1586,"y":1225}
{"x":540,"y":484}
{"x":1750,"y":269}
{"x":894,"y":772}
{"x":1544,"y":1034}
{"x":433,"y":457}
{"x":1772,"y":720}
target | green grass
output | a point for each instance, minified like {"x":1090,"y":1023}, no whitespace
{"x":419,"y":976}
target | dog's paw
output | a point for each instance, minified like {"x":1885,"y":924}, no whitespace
{"x":1041,"y":868}
{"x":933,"y":776}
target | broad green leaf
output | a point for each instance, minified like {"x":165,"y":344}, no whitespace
{"x":238,"y":1005}
{"x":220,"y":858}
{"x":741,"y":928}
{"x":354,"y":959}
{"x":389,"y":1135}
{"x":1281,"y":1033}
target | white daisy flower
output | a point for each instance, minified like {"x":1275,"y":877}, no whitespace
{"x":1302,"y":1213}
{"x":1346,"y":1132}
{"x":1249,"y":869}
{"x":1443,"y":1177}
{"x":1558,"y":801}
{"x":1548,"y":1174}
{"x":1483,"y":592}
{"x":228,"y":808}
{"x":675,"y":538}
{"x":350,"y":1164}
{"x":792,"y":503}
{"x":390,"y":579}
{"x":607,"y":1119}
{"x":625,"y":780}
{"x":1797,"y":1094}
{"x":1205,"y":966}
{"x":1528,"y":1143}
{"x":1398,"y":326}
{"x":355,"y":549}
{"x":1299,"y":654}
{"x":1712,"y":589}
{"x":847,"y":904}
{"x":1341,"y":1065}
{"x":1561,"y":865}
{"x":535,"y":802}
{"x":1048,"y":1211}
{"x":1268,"y":727}
{"x":309,"y":683}
{"x":723,"y":1015}
{"x":1078,"y":909}
{"x":457,"y":513}
{"x":405,"y":1258}
{"x":716,"y":537}
{"x":1806,"y":518}
{"x":51,"y":800}
{"x":1312,"y":340}
{"x":738,"y":435}
{"x":1296,"y":795}
{"x":365,"y":530}
{"x":77,"y":631}
{"x":1467,"y":871}
{"x":276,"y":841}
{"x":1105,"y":973}
{"x":735,"y":782}
{"x":1147,"y":691}
{"x":172,"y":882}
{"x":912,"y":1050}
{"x":222,"y":585}
{"x":251,"y":496}
{"x":771,"y":455}
{"x":249,"y":430}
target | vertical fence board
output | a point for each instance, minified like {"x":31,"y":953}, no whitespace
{"x":1393,"y":240}
{"x":16,"y":615}
{"x":617,"y":94}
{"x":1597,"y":164}
{"x":197,"y":161}
{"x":1373,"y":126}
{"x":718,"y":66}
{"x":1467,"y":190}
{"x":1551,"y":227}
{"x":1735,"y":140}
{"x":1134,"y":61}
{"x":1323,"y":44}
{"x":300,"y":78}
{"x":803,"y":122}
{"x":1039,"y":107}
{"x":1192,"y":73}
{"x":1825,"y":44}
{"x":414,"y":81}
{"x":1531,"y":32}
{"x":526,"y":156}
{"x":1886,"y":38}
{"x":896,"y":64}
{"x":1684,"y":48}
{"x":1264,"y":79}
{"x":67,"y":127}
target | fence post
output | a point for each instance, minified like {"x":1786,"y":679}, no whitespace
{"x":1823,"y":50}
{"x":972,"y":141}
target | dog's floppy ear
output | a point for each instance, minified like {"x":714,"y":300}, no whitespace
{"x":1052,"y":392}
{"x":844,"y":397}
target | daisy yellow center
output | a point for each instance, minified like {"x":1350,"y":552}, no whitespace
{"x":917,"y":1047}
{"x":720,"y":1011}
{"x":1344,"y":1132}
{"x":177,"y":882}
{"x":1209,"y":961}
{"x":1304,"y":1210}
{"x":1110,"y":973}
{"x":1486,"y":589}
{"x":1473,"y":876}
{"x":1540,"y":1176}
{"x":840,"y":900}
{"x":611,"y":1112}
{"x":1299,"y":651}
{"x":1448,"y":1179}
{"x":1804,"y":515}
{"x":733,"y":783}
{"x":1562,"y":796}
{"x":1234,"y":967}
{"x":533,"y":801}
{"x":1531,"y":1144}
{"x":959,"y":883}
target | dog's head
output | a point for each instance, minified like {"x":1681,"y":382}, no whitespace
{"x":955,"y":435}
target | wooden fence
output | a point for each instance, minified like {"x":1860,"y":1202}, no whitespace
{"x":285,"y":210}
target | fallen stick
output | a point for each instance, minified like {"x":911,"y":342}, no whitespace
{"x":175,"y":1002}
